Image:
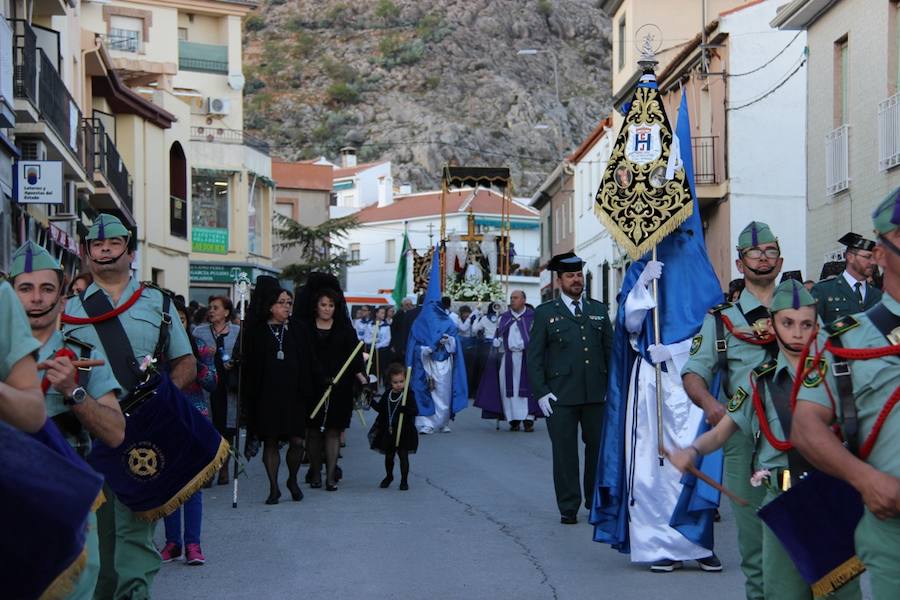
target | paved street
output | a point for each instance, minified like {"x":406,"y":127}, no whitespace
{"x":479,"y":521}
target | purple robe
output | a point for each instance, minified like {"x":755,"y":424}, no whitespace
{"x":488,"y":396}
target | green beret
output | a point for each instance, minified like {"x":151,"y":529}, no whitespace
{"x":754,"y":234}
{"x":791,"y":294}
{"x":105,"y":227}
{"x":886,"y":217}
{"x":29,"y":257}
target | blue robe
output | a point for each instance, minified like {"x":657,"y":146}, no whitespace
{"x":432,"y":323}
{"x":688,"y":288}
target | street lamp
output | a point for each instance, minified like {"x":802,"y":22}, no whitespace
{"x":534,"y":51}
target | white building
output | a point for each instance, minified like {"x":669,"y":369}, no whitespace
{"x":604,"y":260}
{"x":356,"y":186}
{"x":378,"y":240}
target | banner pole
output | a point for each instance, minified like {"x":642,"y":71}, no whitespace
{"x":660,"y":441}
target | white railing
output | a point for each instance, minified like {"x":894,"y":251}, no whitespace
{"x":837,"y":160}
{"x":889,"y":133}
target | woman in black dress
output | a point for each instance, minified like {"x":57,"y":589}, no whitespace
{"x":276,"y":390}
{"x":332,"y":342}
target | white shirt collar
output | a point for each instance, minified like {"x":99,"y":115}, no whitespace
{"x":517,"y":314}
{"x":569,"y":302}
{"x":851,"y":281}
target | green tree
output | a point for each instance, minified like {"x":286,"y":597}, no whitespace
{"x":319,"y":252}
{"x":388,"y":11}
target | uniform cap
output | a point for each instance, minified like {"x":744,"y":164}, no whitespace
{"x":567,"y":262}
{"x":754,"y":234}
{"x":105,"y":227}
{"x":791,"y":294}
{"x":886,"y":217}
{"x":854,"y":241}
{"x":30,"y":257}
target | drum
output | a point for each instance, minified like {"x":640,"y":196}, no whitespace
{"x":47,"y":493}
{"x":170,"y":450}
{"x":815,"y":521}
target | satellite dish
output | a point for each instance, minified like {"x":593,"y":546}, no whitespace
{"x":236,"y":81}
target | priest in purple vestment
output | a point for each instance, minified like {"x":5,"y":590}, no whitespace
{"x":503,"y":392}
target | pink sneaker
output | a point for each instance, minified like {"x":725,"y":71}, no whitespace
{"x":194,"y":555}
{"x":171,"y":551}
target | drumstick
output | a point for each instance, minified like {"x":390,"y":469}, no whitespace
{"x":78,"y":364}
{"x":712,"y":482}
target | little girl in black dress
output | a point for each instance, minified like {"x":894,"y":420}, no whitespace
{"x":383,"y":435}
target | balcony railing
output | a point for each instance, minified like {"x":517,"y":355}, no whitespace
{"x":837,"y":160}
{"x":87,"y":143}
{"x":889,"y":133}
{"x":528,"y":266}
{"x":108,"y":162}
{"x":206,"y":58}
{"x":704,"y":154}
{"x":24,"y":61}
{"x":125,"y":40}
{"x":228,"y":136}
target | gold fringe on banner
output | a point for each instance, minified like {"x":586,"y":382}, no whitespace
{"x":65,"y":581}
{"x":99,"y":501}
{"x":190,"y":488}
{"x":839,"y":576}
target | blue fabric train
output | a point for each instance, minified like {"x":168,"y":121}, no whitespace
{"x":687,"y":290}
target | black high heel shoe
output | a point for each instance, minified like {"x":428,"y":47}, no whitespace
{"x":331,"y":487}
{"x":386,"y":482}
{"x":273,"y":497}
{"x":296,"y":492}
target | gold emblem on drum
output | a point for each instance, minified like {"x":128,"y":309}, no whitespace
{"x":143,"y":462}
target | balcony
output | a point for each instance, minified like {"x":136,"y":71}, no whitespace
{"x":706,"y":167}
{"x":109,"y":165}
{"x":889,"y":133}
{"x":123,"y":40}
{"x":228,"y":136}
{"x":203,"y":58}
{"x":837,"y":160}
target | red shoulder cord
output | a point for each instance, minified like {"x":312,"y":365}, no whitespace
{"x":750,"y":338}
{"x":62,"y":352}
{"x":861,"y":354}
{"x":70,"y":320}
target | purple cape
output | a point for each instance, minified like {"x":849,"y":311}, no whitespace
{"x":488,"y":396}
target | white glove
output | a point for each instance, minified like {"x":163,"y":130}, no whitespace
{"x":659,"y":353}
{"x":449,"y":344}
{"x":652,"y":270}
{"x":497,"y":342}
{"x":544,"y":404}
{"x":426,"y":351}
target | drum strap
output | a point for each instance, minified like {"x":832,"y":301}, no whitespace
{"x":778,"y":388}
{"x":884,"y":320}
{"x":760,"y":312}
{"x":115,"y":342}
{"x":849,"y":418}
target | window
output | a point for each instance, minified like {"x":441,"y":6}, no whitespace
{"x":177,"y":191}
{"x":556,"y":226}
{"x":211,"y":198}
{"x":621,"y":48}
{"x":354,"y":252}
{"x":182,"y":34}
{"x":126,"y":33}
{"x":255,"y":216}
{"x":390,"y":251}
{"x":285,"y":209}
{"x":842,"y":82}
{"x":332,"y":199}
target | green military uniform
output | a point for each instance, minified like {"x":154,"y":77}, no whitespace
{"x":873,"y":381}
{"x":781,"y":579}
{"x":837,"y":299}
{"x":97,"y":381}
{"x":568,"y":356}
{"x":128,"y":556}
{"x":740,"y":359}
{"x":16,"y":342}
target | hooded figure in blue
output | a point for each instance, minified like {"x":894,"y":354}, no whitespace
{"x":435,"y":354}
{"x":635,"y":497}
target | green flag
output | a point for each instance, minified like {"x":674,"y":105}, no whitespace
{"x":400,"y":284}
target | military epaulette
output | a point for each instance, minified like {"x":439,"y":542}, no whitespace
{"x":68,"y":339}
{"x":767,"y":368}
{"x":720,"y":307}
{"x":841,"y":325}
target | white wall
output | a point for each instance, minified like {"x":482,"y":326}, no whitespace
{"x":766,"y":140}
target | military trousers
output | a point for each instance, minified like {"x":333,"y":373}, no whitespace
{"x":563,"y":426}
{"x":738,"y":455}
{"x":878,"y":547}
{"x":87,"y":581}
{"x":129,"y":559}
{"x":782,"y":580}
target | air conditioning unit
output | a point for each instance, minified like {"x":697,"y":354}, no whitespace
{"x":33,"y":150}
{"x":219,"y":106}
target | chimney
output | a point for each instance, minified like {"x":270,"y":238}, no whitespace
{"x":348,"y":156}
{"x":405,"y":188}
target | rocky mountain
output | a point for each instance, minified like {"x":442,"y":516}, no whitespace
{"x":422,"y":81}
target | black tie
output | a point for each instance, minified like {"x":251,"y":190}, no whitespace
{"x":859,"y":295}
{"x":577,"y":308}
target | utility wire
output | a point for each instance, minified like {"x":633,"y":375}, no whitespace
{"x":773,"y":90}
{"x":768,"y":62}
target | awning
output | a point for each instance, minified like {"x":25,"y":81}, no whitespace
{"x":498,"y":224}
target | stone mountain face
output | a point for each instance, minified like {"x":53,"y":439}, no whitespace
{"x":419,"y":82}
